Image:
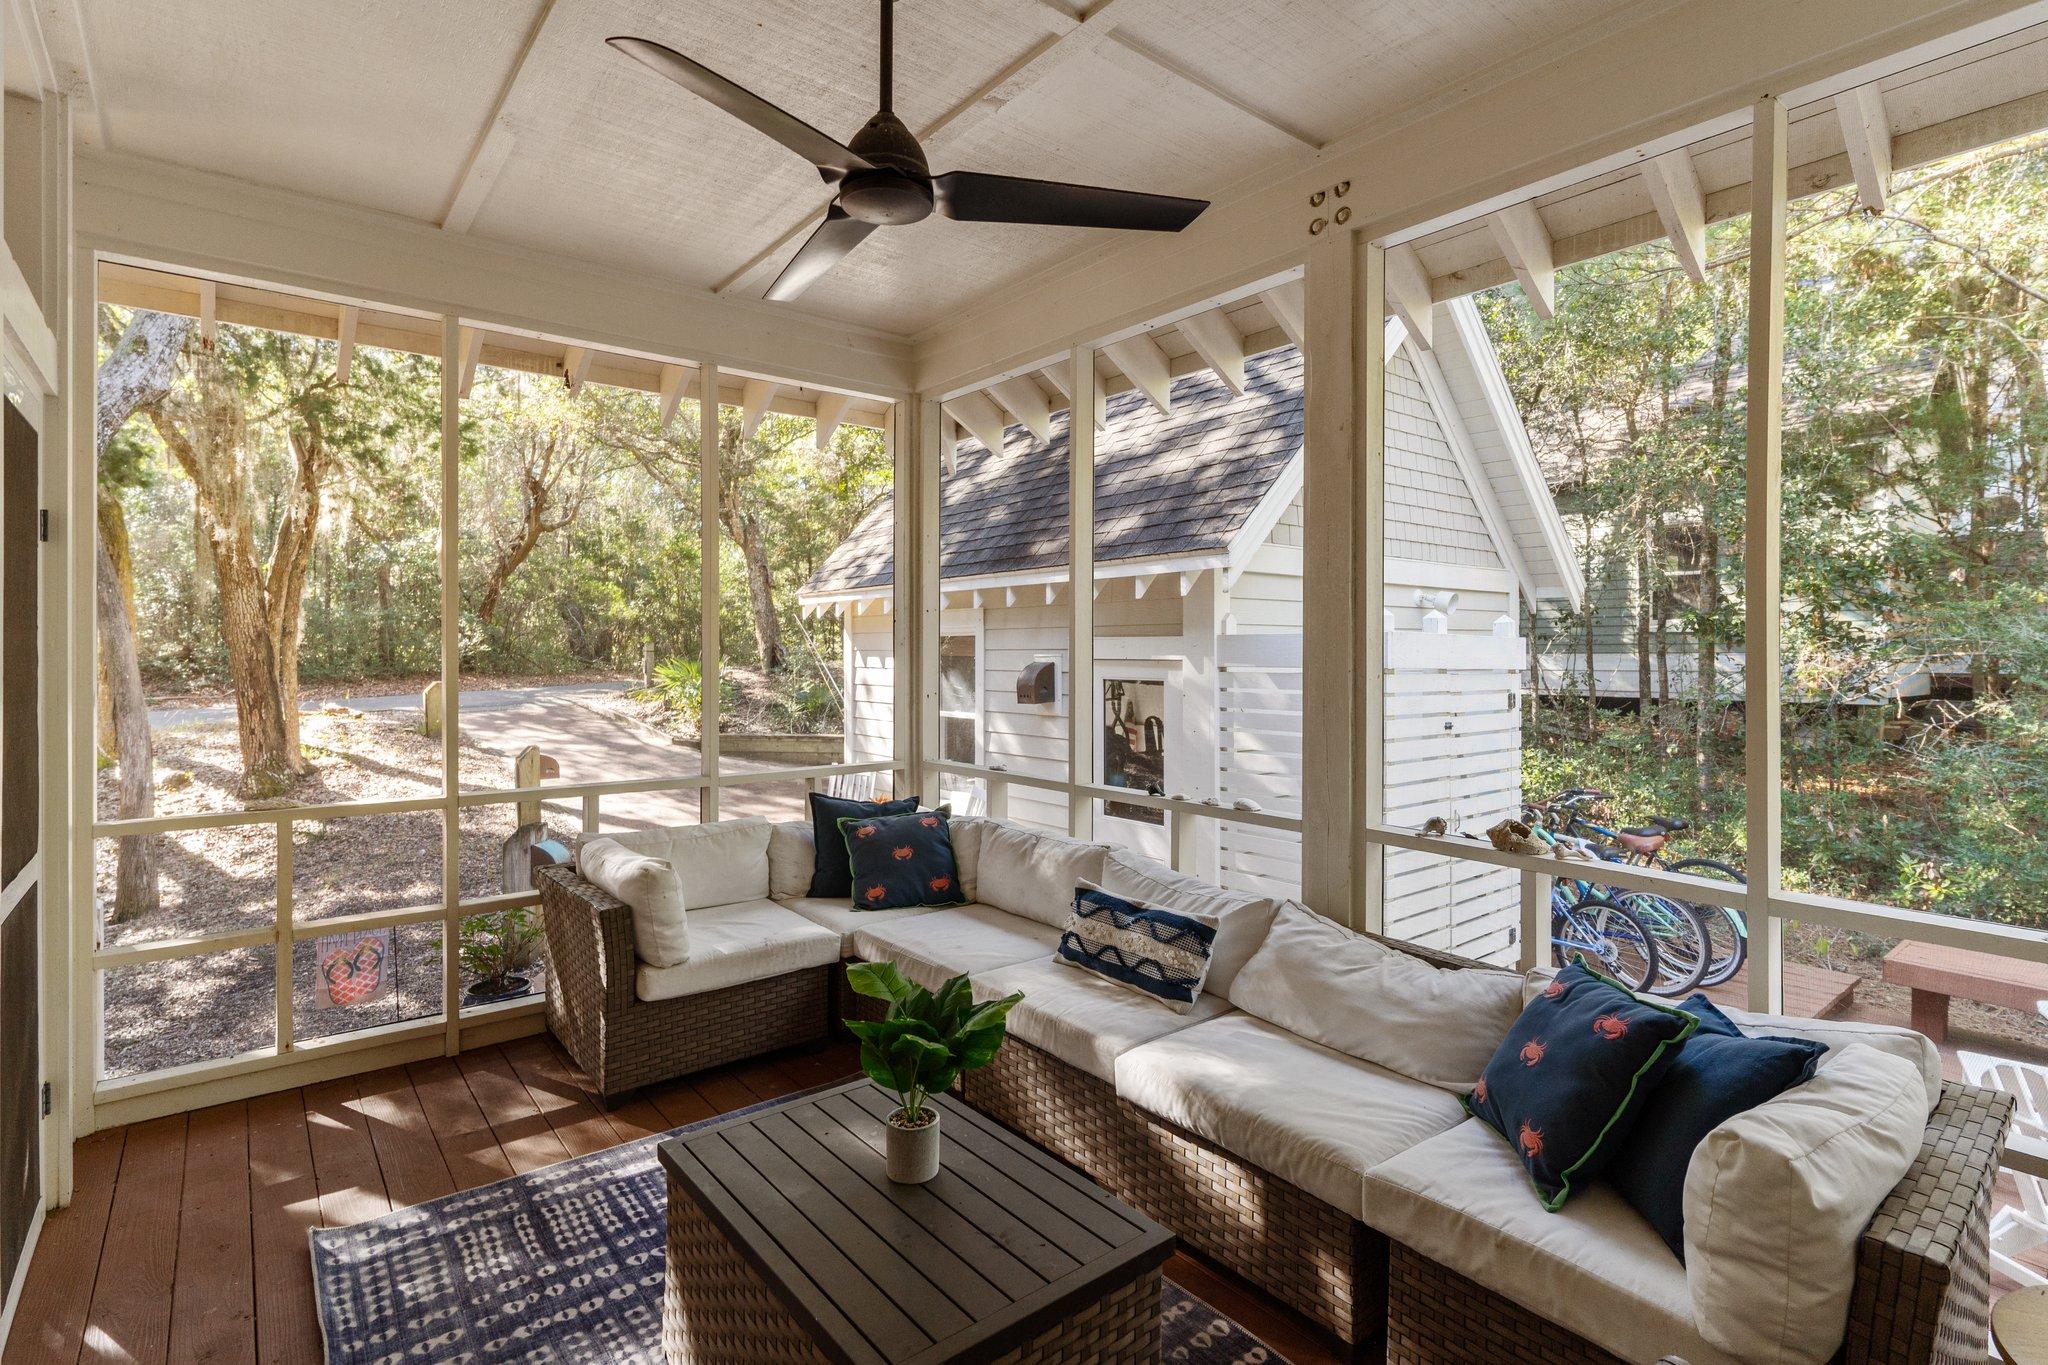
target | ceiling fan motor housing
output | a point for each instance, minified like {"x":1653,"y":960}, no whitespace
{"x":899,"y":189}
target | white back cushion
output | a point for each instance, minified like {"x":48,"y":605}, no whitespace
{"x":1242,"y":919}
{"x":792,"y":858}
{"x":717,"y":864}
{"x":1033,"y":874}
{"x":1332,"y":986}
{"x":1776,"y":1198}
{"x":1903,"y":1043}
{"x":661,"y":934}
{"x":967,"y":832}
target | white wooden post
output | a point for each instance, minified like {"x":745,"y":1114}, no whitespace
{"x":1535,"y":944}
{"x":1082,"y":703}
{"x":453,"y":381}
{"x":1761,"y":544}
{"x":1330,"y":613}
{"x":709,"y":451}
{"x":526,"y":773}
{"x":1368,"y":636}
{"x":914,"y":595}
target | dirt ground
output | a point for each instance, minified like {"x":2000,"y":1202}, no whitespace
{"x":215,"y":881}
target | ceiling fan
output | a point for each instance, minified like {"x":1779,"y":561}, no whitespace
{"x":883,"y":179}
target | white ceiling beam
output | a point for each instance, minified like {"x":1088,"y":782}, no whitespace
{"x":472,"y":340}
{"x":1519,"y":233}
{"x":1286,"y":302}
{"x":1026,"y":402}
{"x":1408,"y":292}
{"x":754,"y":401}
{"x":1146,"y":366}
{"x":576,"y":366}
{"x":1867,"y":137}
{"x":671,"y":393}
{"x":493,"y":147}
{"x":1243,"y":106}
{"x":1674,"y":188}
{"x":72,"y":63}
{"x":831,"y":408}
{"x":983,"y":419}
{"x":1216,"y":340}
{"x":345,"y":341}
{"x":209,"y":311}
{"x":1056,"y":375}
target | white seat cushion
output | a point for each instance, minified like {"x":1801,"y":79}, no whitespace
{"x":1085,"y":1020}
{"x":845,"y":921}
{"x":932,"y":948}
{"x":730,"y":944}
{"x":1242,"y":919}
{"x":717,"y":864}
{"x":1595,"y":1266}
{"x":1312,"y":1116}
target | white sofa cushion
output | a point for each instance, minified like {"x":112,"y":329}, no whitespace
{"x":1314,"y":1117}
{"x":1595,"y":1266}
{"x":661,"y":929}
{"x":1435,"y":1024}
{"x":1242,"y":919}
{"x":721,"y":863}
{"x":1032,"y":874}
{"x":967,"y":832}
{"x":845,"y":921}
{"x":1776,"y":1198}
{"x":1085,"y":1020}
{"x":792,"y":856}
{"x":932,"y":948}
{"x":1903,"y":1043}
{"x":739,"y":942}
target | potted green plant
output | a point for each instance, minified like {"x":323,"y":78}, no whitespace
{"x":498,"y":954}
{"x":925,"y":1042}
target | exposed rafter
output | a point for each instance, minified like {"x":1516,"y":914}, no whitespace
{"x":949,"y":446}
{"x":1519,"y":233}
{"x":1287,"y":304}
{"x":1026,"y":402}
{"x":671,"y":393}
{"x":831,"y":407}
{"x":983,"y":419}
{"x":575,"y":366}
{"x":345,"y":341}
{"x":1674,"y":188}
{"x":1146,"y":366}
{"x":472,"y":340}
{"x":1867,"y":137}
{"x":1187,"y":77}
{"x":1408,"y":292}
{"x":494,"y":144}
{"x":754,"y":401}
{"x":1057,"y":376}
{"x":209,"y":311}
{"x":1217,"y":341}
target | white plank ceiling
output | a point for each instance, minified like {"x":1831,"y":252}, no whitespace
{"x":511,"y":120}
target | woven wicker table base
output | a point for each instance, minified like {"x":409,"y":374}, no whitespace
{"x":717,"y":1311}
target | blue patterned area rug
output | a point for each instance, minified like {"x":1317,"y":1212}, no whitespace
{"x":564,"y":1266}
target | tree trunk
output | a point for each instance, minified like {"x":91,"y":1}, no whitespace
{"x":745,"y":530}
{"x":113,"y":527}
{"x":384,"y":613}
{"x":137,"y":371}
{"x":1643,"y":596}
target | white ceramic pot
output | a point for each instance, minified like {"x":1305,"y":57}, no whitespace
{"x":913,"y":1153}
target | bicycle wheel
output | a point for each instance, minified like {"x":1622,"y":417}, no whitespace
{"x":1684,"y":944}
{"x":1610,"y":935}
{"x":1727,"y":930}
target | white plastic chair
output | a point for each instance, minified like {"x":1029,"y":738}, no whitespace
{"x":851,"y":786}
{"x":2015,"y":1230}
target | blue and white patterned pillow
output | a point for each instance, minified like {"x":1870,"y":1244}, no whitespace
{"x":1161,"y":953}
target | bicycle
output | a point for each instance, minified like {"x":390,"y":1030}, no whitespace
{"x":1604,"y":931}
{"x":1726,"y":929}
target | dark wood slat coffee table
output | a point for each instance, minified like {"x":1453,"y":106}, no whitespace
{"x":786,"y":1242}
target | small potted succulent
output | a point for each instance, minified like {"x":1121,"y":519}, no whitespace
{"x":925,"y":1042}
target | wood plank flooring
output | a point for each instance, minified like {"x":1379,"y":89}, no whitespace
{"x":186,"y":1240}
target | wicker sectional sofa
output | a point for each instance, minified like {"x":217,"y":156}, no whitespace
{"x":1293,"y":1164}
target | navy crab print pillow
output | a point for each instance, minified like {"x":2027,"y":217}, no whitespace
{"x":1566,"y":1084}
{"x":901,"y":860}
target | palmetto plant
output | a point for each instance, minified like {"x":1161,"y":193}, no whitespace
{"x":928,"y":1039}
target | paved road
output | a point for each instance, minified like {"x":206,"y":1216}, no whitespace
{"x":589,"y":745}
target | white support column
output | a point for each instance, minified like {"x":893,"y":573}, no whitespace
{"x":1329,"y":611}
{"x":1368,"y":637}
{"x":1081,"y":596}
{"x":913,"y":434}
{"x":1762,"y":470}
{"x":709,"y":442}
{"x":458,"y":347}
{"x":76,"y":530}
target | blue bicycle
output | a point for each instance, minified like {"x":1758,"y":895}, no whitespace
{"x":1607,"y":932}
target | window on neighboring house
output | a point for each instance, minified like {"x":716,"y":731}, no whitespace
{"x":959,"y":691}
{"x":1134,"y":744}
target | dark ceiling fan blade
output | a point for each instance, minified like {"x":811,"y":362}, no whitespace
{"x":826,"y":247}
{"x":832,"y":158}
{"x":973,"y":197}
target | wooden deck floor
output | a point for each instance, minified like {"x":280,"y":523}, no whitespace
{"x":186,"y":1239}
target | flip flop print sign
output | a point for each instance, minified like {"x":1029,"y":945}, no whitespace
{"x":354,"y":969}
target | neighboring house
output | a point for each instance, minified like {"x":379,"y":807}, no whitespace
{"x":1198,"y":615}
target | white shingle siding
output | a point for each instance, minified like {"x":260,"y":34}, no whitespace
{"x":1431,"y":515}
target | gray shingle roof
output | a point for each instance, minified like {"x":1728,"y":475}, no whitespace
{"x":1178,"y":485}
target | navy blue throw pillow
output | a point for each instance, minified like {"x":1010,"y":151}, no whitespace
{"x":1160,"y":952}
{"x":896,"y":861}
{"x":1567,"y":1082}
{"x":829,"y":878}
{"x":1718,"y":1074}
